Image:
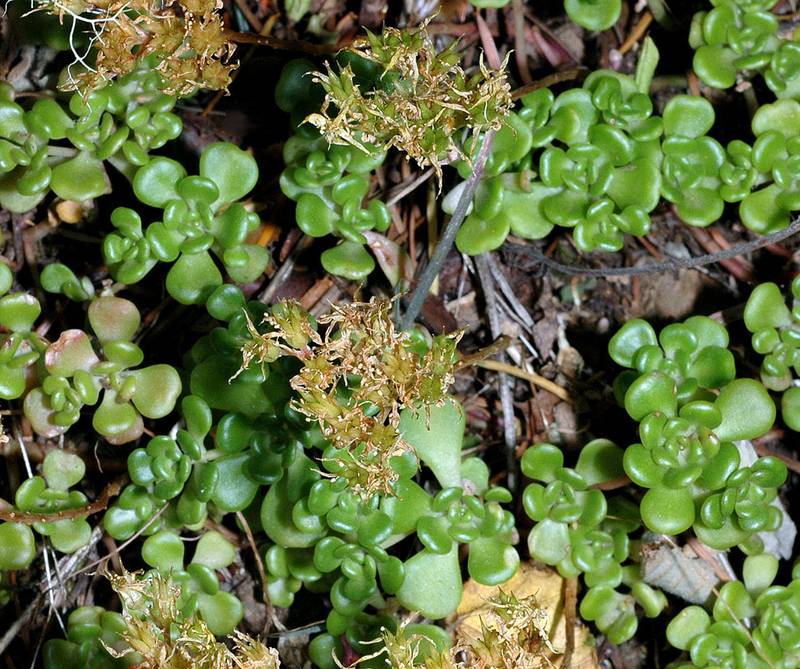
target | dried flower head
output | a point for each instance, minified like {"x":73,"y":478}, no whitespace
{"x":425,"y":99}
{"x":403,"y":650}
{"x":355,"y":381}
{"x":187,"y":36}
{"x":165,"y":638}
{"x":513,"y":635}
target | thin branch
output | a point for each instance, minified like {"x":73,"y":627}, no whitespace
{"x":271,"y":615}
{"x":433,"y":267}
{"x":671,"y":265}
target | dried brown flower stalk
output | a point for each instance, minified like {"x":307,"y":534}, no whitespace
{"x":163,"y":638}
{"x":355,"y":381}
{"x":187,"y":38}
{"x":425,"y":101}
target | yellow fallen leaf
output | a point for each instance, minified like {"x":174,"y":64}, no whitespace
{"x":546,"y":585}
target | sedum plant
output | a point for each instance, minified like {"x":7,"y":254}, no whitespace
{"x":587,"y":159}
{"x":198,"y":581}
{"x":752,"y":623}
{"x":775,"y":336}
{"x":423,"y":100}
{"x":740,"y":37}
{"x":329,"y":182}
{"x":200,"y":214}
{"x":92,"y":634}
{"x":20,"y":346}
{"x":690,"y":407}
{"x":184,"y":43}
{"x":579,"y":532}
{"x":51,"y":493}
{"x":155,"y":630}
{"x":62,"y":148}
{"x":73,"y":375}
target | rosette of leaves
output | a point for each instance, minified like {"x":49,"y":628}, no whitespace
{"x":614,"y":612}
{"x":577,"y":531}
{"x":692,"y":161}
{"x":330,"y":185}
{"x":743,"y":506}
{"x":721,"y":637}
{"x":687,"y":427}
{"x":776,"y":157}
{"x":50,"y":147}
{"x":198,"y":581}
{"x":91,"y":631}
{"x":776,"y":336}
{"x":686,"y":455}
{"x":507,"y":198}
{"x":254,"y":434}
{"x":74,"y":375}
{"x":20,"y":347}
{"x":51,"y":493}
{"x":596,"y":156}
{"x":200,"y":214}
{"x":738,"y":38}
{"x":689,"y":358}
{"x":569,"y":514}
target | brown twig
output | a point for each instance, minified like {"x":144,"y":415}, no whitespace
{"x":273,"y":618}
{"x":576,"y":73}
{"x":536,"y":379}
{"x":100,"y":504}
{"x":671,"y":265}
{"x":282,"y":44}
{"x":636,"y":34}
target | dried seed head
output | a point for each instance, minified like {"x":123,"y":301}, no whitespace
{"x":355,"y":381}
{"x":165,"y":638}
{"x":425,"y":101}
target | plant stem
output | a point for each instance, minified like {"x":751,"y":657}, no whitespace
{"x":434,"y":266}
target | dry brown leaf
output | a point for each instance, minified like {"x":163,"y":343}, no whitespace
{"x":546,"y":585}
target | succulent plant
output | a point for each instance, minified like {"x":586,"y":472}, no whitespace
{"x":20,"y":347}
{"x":73,"y":375}
{"x":120,"y":123}
{"x":200,"y":214}
{"x":721,"y":638}
{"x":579,"y":532}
